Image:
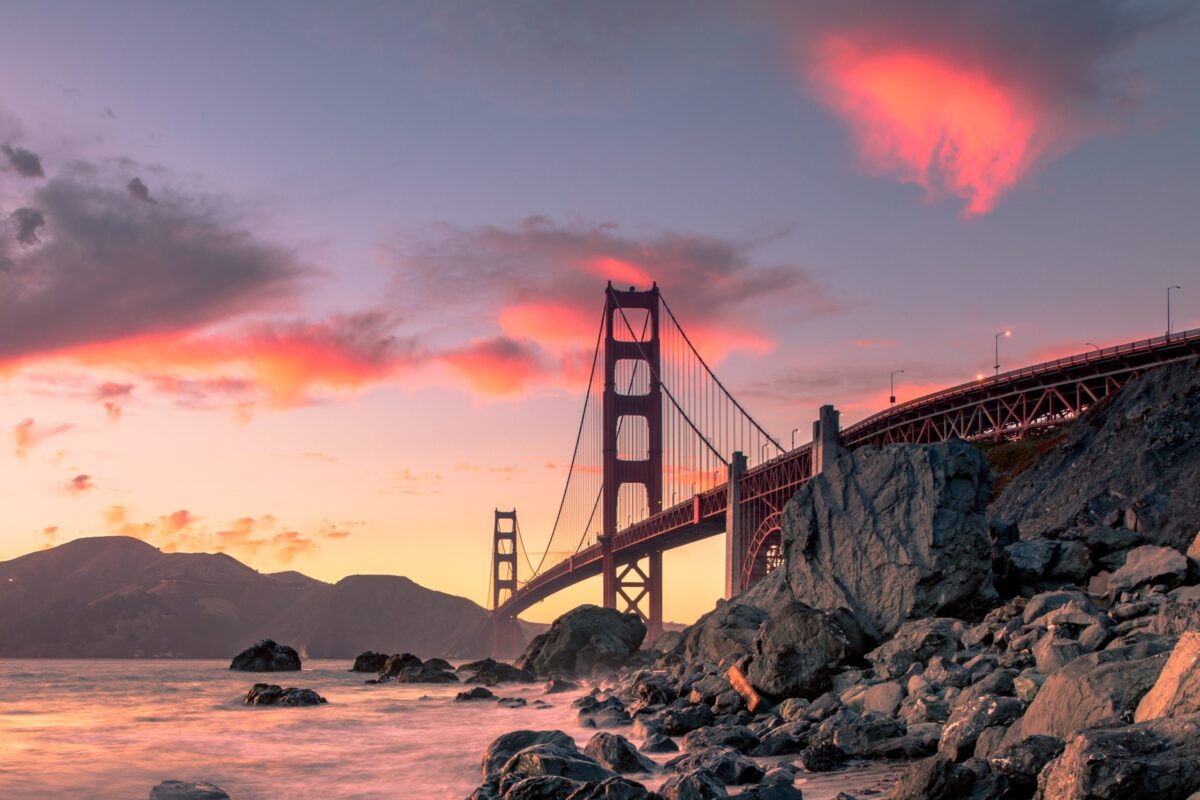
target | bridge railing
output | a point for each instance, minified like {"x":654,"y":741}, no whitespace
{"x":1092,"y":357}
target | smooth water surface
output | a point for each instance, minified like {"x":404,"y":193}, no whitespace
{"x":113,"y":729}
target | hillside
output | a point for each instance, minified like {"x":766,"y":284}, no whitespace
{"x":118,"y":597}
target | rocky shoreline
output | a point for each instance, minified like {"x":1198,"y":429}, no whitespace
{"x":1043,"y":642}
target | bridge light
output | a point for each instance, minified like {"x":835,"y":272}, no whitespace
{"x":978,"y":376}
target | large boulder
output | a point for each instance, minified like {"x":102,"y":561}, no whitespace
{"x":266,"y":656}
{"x":723,"y":635}
{"x":1094,"y":689}
{"x":549,"y":758}
{"x":893,"y":533}
{"x":1158,"y":759}
{"x":916,"y":642}
{"x":617,"y":753}
{"x":969,"y":720}
{"x":1177,"y":690}
{"x":1132,"y":462}
{"x":506,"y":746}
{"x":796,"y":650}
{"x":1150,"y":564}
{"x":369,"y":661}
{"x":489,"y":672}
{"x":583,"y":639}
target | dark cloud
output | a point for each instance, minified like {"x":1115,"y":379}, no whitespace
{"x":23,"y":162}
{"x":540,"y":260}
{"x":80,"y":484}
{"x":26,"y":222}
{"x":114,"y":269}
{"x":138,"y":190}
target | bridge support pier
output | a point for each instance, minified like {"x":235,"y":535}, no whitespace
{"x":826,"y":432}
{"x":735,"y":537}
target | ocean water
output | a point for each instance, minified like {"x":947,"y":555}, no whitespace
{"x":113,"y":729}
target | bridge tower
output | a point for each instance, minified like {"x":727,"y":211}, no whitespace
{"x":505,"y":630}
{"x":636,"y":583}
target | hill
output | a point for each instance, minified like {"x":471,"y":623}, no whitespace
{"x":118,"y":597}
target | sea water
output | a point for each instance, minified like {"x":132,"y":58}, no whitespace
{"x":100,"y":729}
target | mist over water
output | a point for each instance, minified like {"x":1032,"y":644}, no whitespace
{"x":114,"y":729}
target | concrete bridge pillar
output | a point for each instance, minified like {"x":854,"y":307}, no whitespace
{"x":735,"y":537}
{"x":826,"y":432}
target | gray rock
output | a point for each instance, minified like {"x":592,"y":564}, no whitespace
{"x":478,"y":693}
{"x":893,"y":533}
{"x":723,"y":635}
{"x":1029,"y":561}
{"x":739,"y":737}
{"x":185,"y":790}
{"x":1148,"y":565}
{"x":772,"y":791}
{"x":944,"y":672}
{"x":582,"y":639}
{"x":1093,"y":689}
{"x":489,"y":672}
{"x":678,"y":721}
{"x":1041,"y":604}
{"x":617,"y":788}
{"x":369,"y":661}
{"x":542,"y":787}
{"x":883,"y":698}
{"x":790,"y":737}
{"x":617,"y":753}
{"x":855,"y":733}
{"x":725,"y":763}
{"x":915,"y":642}
{"x":268,"y":694}
{"x":1053,"y":653}
{"x":969,"y":720}
{"x":1021,"y":762}
{"x":936,"y":778}
{"x":793,"y":654}
{"x":824,"y":757}
{"x":266,"y":656}
{"x":554,"y":759}
{"x":505,"y":747}
{"x":1140,"y":453}
{"x":659,"y":743}
{"x":696,"y":784}
{"x":1158,"y":759}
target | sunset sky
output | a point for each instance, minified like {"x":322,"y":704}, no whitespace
{"x":317,"y":286}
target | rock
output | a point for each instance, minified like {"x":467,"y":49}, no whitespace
{"x":793,"y":653}
{"x":617,"y":788}
{"x":1029,"y":561}
{"x":511,"y":702}
{"x":1148,"y":565}
{"x":968,"y":721}
{"x":557,"y":684}
{"x":1093,"y":689}
{"x":184,"y":790}
{"x":490,"y":672}
{"x":582,"y":639}
{"x":824,"y":757}
{"x":723,"y":635}
{"x":893,"y":533}
{"x":1041,"y":604}
{"x":944,"y":672}
{"x":696,"y":784}
{"x":790,"y":737}
{"x":915,"y":642}
{"x":1138,"y":452}
{"x":1027,"y":684}
{"x":916,"y":710}
{"x":369,"y":661}
{"x":478,"y":693}
{"x":266,"y":656}
{"x":1177,"y":690}
{"x":397,"y":663}
{"x":883,"y":698}
{"x":542,"y":787}
{"x":423,"y":674}
{"x":1159,"y":759}
{"x":725,"y":763}
{"x":505,"y":747}
{"x":678,"y":721}
{"x":1052,"y":653}
{"x":617,"y":753}
{"x":936,"y":778}
{"x":772,"y":791}
{"x":554,"y":759}
{"x":739,"y":737}
{"x":659,"y":743}
{"x":438,"y":663}
{"x":1022,"y":761}
{"x":855,"y":733}
{"x":268,"y":694}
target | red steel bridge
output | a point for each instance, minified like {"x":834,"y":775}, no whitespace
{"x":665,"y":456}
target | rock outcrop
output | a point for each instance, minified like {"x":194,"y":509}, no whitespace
{"x":369,"y":662}
{"x":268,"y":694}
{"x":583,"y":639}
{"x":892,"y":533}
{"x":1177,"y":690}
{"x":266,"y":656}
{"x":186,"y":790}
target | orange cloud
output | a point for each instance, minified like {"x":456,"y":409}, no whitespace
{"x":551,"y":323}
{"x":499,"y":366}
{"x":27,"y":434}
{"x":934,"y":122}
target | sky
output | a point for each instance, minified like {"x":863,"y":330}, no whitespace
{"x":317,"y":285}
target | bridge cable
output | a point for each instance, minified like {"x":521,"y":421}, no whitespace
{"x":712,"y":375}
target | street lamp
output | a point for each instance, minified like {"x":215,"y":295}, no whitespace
{"x":794,"y":432}
{"x":1169,"y":288}
{"x":892,"y":397}
{"x":762,"y":451}
{"x":1089,"y":344}
{"x":998,"y":335}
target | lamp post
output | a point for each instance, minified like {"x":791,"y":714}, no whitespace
{"x":1169,"y":288}
{"x":1095,"y":346}
{"x":892,"y":395}
{"x":998,"y":335}
{"x":794,"y":432}
{"x":762,"y":451}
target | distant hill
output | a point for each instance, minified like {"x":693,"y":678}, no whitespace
{"x":118,"y":597}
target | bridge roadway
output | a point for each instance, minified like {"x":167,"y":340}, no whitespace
{"x":1005,"y":406}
